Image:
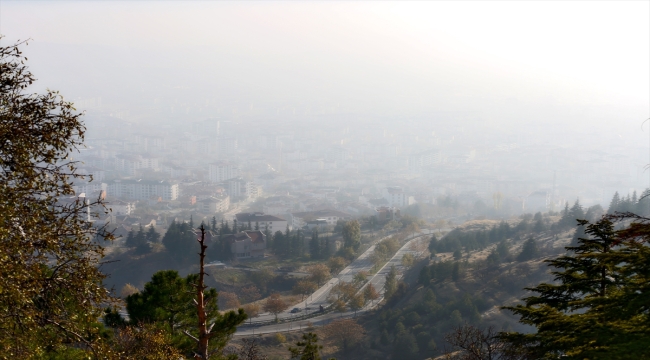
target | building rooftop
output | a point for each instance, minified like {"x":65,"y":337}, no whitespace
{"x":256,"y":216}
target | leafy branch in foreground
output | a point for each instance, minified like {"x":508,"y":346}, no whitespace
{"x":50,"y":283}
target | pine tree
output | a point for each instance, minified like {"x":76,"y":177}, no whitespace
{"x":326,"y":252}
{"x":594,"y":310}
{"x":576,"y":212}
{"x":390,"y":286}
{"x":314,"y":244}
{"x":529,"y":250}
{"x":307,"y":349}
{"x":152,"y":235}
{"x":213,"y":223}
{"x":614,"y":204}
{"x":130,"y":239}
{"x":566,"y":220}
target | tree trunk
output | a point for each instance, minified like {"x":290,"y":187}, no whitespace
{"x":204,"y":334}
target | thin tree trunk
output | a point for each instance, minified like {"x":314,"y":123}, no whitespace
{"x":204,"y":333}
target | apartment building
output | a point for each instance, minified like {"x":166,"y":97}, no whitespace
{"x":143,"y":189}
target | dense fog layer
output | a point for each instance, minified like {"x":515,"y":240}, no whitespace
{"x":499,"y":108}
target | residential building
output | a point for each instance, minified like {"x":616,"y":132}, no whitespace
{"x":238,"y":187}
{"x":262,"y":220}
{"x":119,"y":207}
{"x":143,"y":189}
{"x":88,"y":187}
{"x":213,"y":204}
{"x":129,"y":164}
{"x":222,"y":171}
{"x":396,"y":197}
{"x":300,"y":219}
{"x":247,"y":244}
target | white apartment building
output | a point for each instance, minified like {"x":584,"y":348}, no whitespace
{"x":119,"y":207}
{"x":238,"y":187}
{"x":213,"y":204}
{"x":396,"y":197}
{"x":262,"y":220}
{"x":300,"y":219}
{"x":129,"y":164}
{"x":222,"y":171}
{"x":143,"y":189}
{"x":88,"y":187}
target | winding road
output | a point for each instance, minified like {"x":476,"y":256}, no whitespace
{"x":312,"y":303}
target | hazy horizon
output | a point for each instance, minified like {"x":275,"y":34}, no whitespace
{"x":464,"y":75}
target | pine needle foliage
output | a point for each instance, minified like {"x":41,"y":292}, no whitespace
{"x":597,"y":308}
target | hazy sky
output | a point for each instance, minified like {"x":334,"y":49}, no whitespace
{"x":376,"y":57}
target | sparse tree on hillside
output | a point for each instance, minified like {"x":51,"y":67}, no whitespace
{"x":336,"y":264}
{"x":408,"y":260}
{"x":152,"y":235}
{"x":345,"y":332}
{"x":250,"y":351}
{"x":471,"y":343}
{"x":529,"y":250}
{"x":228,"y":300}
{"x":319,"y":273}
{"x":315,"y":245}
{"x":250,"y":293}
{"x":370,"y":293}
{"x":357,"y":302}
{"x":307,"y":349}
{"x":352,"y":235}
{"x":390,"y":286}
{"x":275,"y":305}
{"x":252,"y":310}
{"x":303,"y":288}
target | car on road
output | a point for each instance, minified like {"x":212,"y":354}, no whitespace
{"x":296,"y":310}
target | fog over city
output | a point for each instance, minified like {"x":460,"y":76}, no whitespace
{"x":469,"y":101}
{"x":351,"y":180}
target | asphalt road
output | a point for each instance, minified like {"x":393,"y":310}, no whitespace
{"x":319,"y":297}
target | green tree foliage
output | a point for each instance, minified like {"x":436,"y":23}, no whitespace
{"x":614,"y":204}
{"x":390,"y":286}
{"x":50,"y":283}
{"x":167,"y":300}
{"x":438,"y":272}
{"x":315,"y":245}
{"x":503,"y":249}
{"x":307,"y":349}
{"x":455,"y":272}
{"x":597,"y":308}
{"x":352,"y":235}
{"x":152,"y":235}
{"x":140,"y":242}
{"x":529,"y":250}
{"x":180,"y":241}
{"x":474,"y":240}
{"x":406,"y":347}
{"x":432,"y":244}
{"x":426,"y":321}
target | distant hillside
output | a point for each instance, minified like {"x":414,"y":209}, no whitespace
{"x":490,"y":269}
